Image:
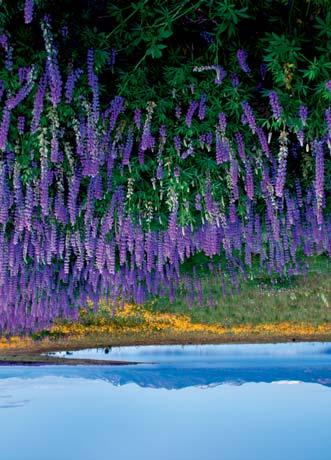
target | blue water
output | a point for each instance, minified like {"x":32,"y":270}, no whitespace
{"x":219,"y":402}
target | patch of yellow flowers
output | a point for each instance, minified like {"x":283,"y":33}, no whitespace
{"x":137,"y":320}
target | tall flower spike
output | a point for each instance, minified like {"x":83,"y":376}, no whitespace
{"x":52,"y":66}
{"x":249,"y":116}
{"x":242,"y":61}
{"x":282,"y":162}
{"x":275,"y":105}
{"x":28,"y":11}
{"x":303,"y":114}
{"x":39,"y":102}
{"x":93,"y":83}
{"x":319,"y":178}
{"x":189,"y":115}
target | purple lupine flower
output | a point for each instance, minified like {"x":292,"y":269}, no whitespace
{"x":235,"y":80}
{"x":117,"y":106}
{"x":220,"y":74}
{"x":303,"y":114}
{"x":93,"y":83}
{"x":23,"y":74}
{"x":328,"y":85}
{"x":197,"y":202}
{"x":28,"y":206}
{"x":275,"y":105}
{"x":4,"y":128}
{"x":222,"y":122}
{"x":234,"y":179}
{"x":301,"y":137}
{"x":176,"y":172}
{"x":9,"y":59}
{"x":172,"y":224}
{"x":2,"y":89}
{"x":249,"y":182}
{"x":189,"y":115}
{"x":233,"y":213}
{"x":177,"y":144}
{"x":14,"y":101}
{"x":319,"y":178}
{"x":202,"y":107}
{"x":328,"y":120}
{"x":242,"y":61}
{"x":54,"y":147}
{"x":21,"y":124}
{"x":240,"y":145}
{"x":39,"y":103}
{"x":44,"y":184}
{"x":222,"y":149}
{"x":147,"y":139}
{"x":282,"y":163}
{"x":249,"y":116}
{"x":4,"y":41}
{"x":298,"y":190}
{"x":70,"y":84}
{"x":137,"y":118}
{"x":112,"y":58}
{"x":28,"y":11}
{"x":52,"y":66}
{"x":159,"y":171}
{"x":188,"y":152}
{"x":128,"y":149}
{"x":263,"y":142}
{"x":178,"y":112}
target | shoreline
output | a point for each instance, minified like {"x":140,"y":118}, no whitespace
{"x":32,"y":353}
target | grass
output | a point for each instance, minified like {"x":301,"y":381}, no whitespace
{"x":303,"y":298}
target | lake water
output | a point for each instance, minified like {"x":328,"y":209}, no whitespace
{"x":211,"y":402}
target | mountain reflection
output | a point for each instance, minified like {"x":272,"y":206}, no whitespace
{"x":171,"y":377}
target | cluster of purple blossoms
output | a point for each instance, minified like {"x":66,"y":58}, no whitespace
{"x":235,"y":80}
{"x":282,"y":162}
{"x":242,"y":61}
{"x":28,"y":11}
{"x":52,"y":66}
{"x":73,"y":76}
{"x":222,"y":122}
{"x":202,"y":107}
{"x":93,"y":83}
{"x":275,"y":105}
{"x":222,"y":149}
{"x":21,"y":124}
{"x":303,"y":114}
{"x":194,"y":105}
{"x":249,"y":116}
{"x":319,"y":178}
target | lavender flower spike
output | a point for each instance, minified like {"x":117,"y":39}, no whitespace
{"x":28,"y":11}
{"x":249,"y":116}
{"x":242,"y":58}
{"x":275,"y":105}
{"x":303,"y":114}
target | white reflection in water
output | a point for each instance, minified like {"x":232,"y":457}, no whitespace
{"x":189,"y":409}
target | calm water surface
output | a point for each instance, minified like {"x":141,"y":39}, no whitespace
{"x":212,"y":402}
